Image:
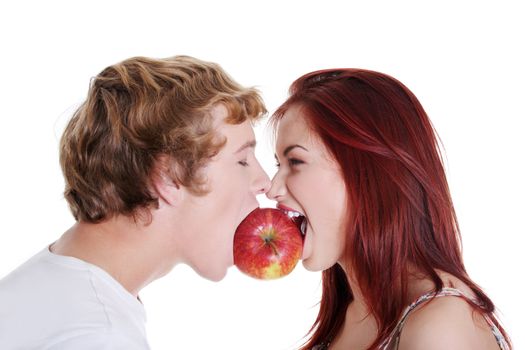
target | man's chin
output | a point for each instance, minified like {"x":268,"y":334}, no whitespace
{"x":215,"y":275}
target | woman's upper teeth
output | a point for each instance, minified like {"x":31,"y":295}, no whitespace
{"x":292,"y":214}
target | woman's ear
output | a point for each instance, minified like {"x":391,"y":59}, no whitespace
{"x":163,"y":183}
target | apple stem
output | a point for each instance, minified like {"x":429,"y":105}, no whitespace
{"x":269,"y":241}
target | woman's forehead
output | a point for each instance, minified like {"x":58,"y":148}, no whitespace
{"x":293,"y":126}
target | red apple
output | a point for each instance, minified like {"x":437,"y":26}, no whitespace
{"x":267,"y":244}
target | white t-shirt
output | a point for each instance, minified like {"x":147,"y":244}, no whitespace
{"x":57,"y":302}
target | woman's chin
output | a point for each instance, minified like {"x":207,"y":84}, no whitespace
{"x":309,"y":265}
{"x":314,"y":265}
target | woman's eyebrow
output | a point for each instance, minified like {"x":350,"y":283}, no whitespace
{"x":289,"y":148}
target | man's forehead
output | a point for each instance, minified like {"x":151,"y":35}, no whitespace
{"x":248,"y":144}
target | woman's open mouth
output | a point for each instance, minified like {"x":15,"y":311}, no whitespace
{"x":298,"y":218}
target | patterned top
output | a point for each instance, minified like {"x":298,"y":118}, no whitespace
{"x":392,"y":342}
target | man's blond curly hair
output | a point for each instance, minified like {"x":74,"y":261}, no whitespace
{"x":135,"y":112}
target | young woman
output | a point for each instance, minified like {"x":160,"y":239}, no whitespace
{"x":359,"y":159}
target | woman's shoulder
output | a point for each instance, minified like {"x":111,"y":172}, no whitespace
{"x":447,"y":322}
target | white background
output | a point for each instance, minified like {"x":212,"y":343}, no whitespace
{"x":463,"y":60}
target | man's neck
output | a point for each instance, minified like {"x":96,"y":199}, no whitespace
{"x":130,"y":252}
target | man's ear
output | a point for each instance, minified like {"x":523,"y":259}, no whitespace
{"x":163,"y":183}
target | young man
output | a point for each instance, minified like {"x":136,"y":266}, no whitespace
{"x":160,"y":169}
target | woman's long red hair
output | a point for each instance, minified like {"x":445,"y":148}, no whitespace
{"x":400,"y":209}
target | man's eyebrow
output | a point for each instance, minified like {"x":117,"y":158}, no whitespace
{"x":248,"y":144}
{"x":289,"y":148}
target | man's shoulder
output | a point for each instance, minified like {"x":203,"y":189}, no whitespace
{"x":101,"y":340}
{"x":64,"y":309}
{"x":42,"y":296}
{"x":39,"y":276}
{"x":78,"y":339}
